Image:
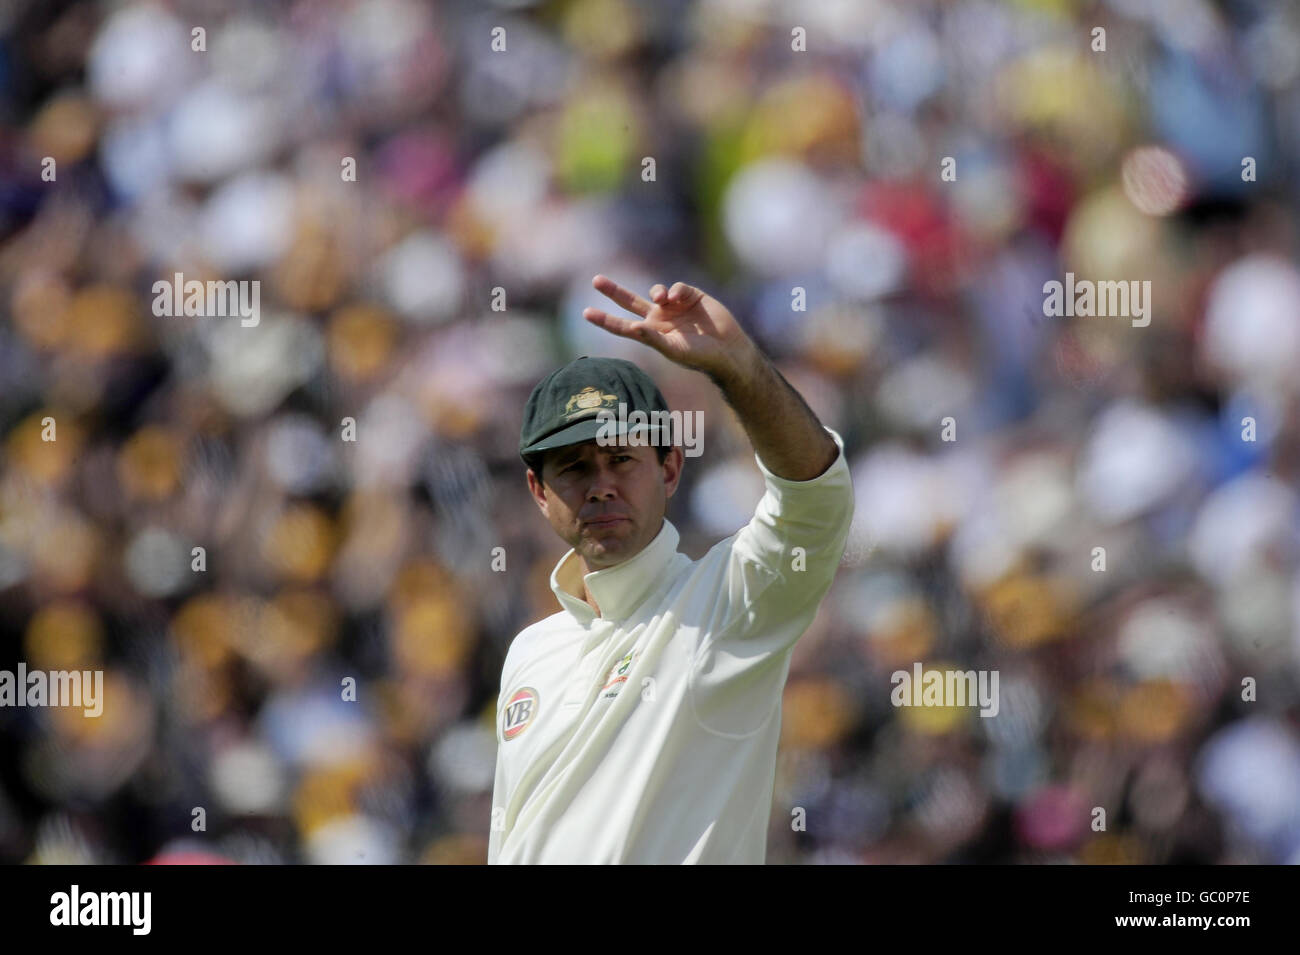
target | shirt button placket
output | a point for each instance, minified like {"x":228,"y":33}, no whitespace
{"x":584,"y":674}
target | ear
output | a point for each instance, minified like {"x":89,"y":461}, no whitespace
{"x":536,"y":488}
{"x":673,"y":464}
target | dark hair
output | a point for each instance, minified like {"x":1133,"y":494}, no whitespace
{"x":534,"y":461}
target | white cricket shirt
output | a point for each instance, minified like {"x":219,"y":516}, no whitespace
{"x":649,"y":734}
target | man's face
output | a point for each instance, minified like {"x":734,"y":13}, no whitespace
{"x":606,"y":502}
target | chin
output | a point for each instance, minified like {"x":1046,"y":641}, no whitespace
{"x":607,"y":544}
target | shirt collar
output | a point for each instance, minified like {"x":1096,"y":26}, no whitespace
{"x":618,"y":589}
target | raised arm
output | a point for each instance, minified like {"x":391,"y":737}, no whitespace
{"x":697,"y":331}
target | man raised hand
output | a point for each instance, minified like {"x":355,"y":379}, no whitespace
{"x":640,"y":723}
{"x":695,"y":330}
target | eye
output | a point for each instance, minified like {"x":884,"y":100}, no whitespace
{"x":622,"y":457}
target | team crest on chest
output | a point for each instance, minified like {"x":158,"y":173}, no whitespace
{"x":520,"y":711}
{"x":617,"y":675}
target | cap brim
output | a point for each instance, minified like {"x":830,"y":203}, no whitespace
{"x":579,"y":432}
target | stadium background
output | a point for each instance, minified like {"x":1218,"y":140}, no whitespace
{"x":775,"y":169}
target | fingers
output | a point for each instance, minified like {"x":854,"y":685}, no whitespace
{"x":683,"y":294}
{"x":629,"y":300}
{"x":625,"y":328}
{"x":679,"y":294}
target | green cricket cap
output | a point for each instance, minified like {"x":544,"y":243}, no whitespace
{"x":564,"y":407}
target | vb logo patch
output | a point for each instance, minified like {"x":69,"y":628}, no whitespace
{"x":521,"y":709}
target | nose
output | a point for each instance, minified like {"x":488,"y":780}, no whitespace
{"x":602,"y":483}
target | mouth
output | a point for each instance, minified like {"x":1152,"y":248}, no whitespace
{"x":604,"y":521}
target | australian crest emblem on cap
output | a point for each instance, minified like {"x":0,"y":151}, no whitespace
{"x":586,"y":400}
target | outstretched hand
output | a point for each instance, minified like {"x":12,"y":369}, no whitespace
{"x":681,"y":323}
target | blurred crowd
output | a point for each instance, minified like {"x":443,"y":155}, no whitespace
{"x":878,"y":189}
